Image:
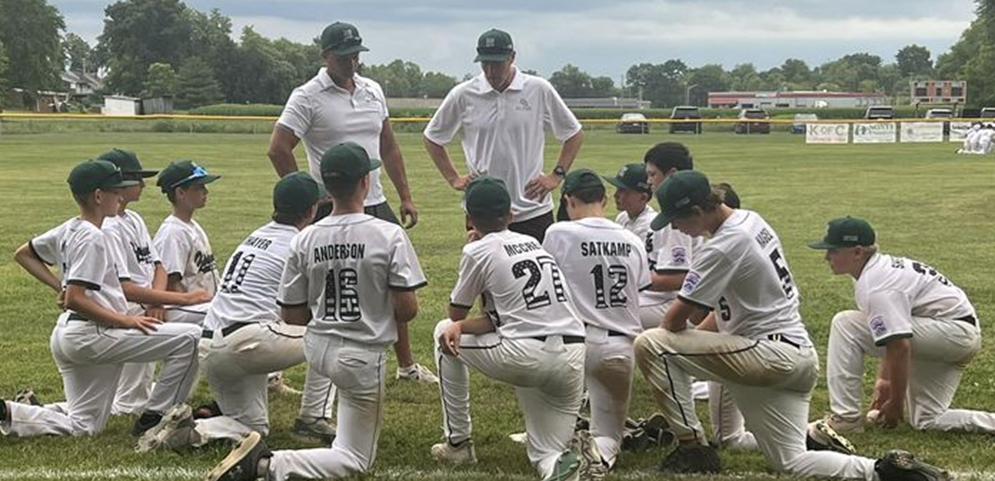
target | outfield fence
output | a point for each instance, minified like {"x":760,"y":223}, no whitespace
{"x":833,"y":131}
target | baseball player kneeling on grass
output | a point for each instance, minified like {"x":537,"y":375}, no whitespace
{"x":530,"y":338}
{"x":920,"y":324}
{"x":95,"y":337}
{"x":248,"y":340}
{"x":604,"y":267}
{"x":754,"y":343}
{"x":350,"y":278}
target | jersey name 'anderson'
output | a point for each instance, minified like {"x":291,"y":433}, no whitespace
{"x":332,"y":252}
{"x":605,"y":248}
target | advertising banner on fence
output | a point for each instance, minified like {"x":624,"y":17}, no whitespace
{"x":922,"y":131}
{"x":875,"y":133}
{"x":959,"y":130}
{"x":827,"y":133}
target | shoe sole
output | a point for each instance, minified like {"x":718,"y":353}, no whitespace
{"x":908,"y":463}
{"x":26,"y":396}
{"x":583,"y":446}
{"x":572,"y":473}
{"x":824,"y":434}
{"x":170,"y":422}
{"x":245,"y":446}
{"x":311,"y":438}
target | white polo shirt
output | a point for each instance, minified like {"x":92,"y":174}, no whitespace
{"x":324,"y":115}
{"x":504,"y":132}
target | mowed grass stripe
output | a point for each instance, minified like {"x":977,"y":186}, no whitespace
{"x":926,"y":202}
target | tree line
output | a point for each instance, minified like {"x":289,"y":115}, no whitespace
{"x":165,"y":48}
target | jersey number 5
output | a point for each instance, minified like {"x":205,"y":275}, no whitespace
{"x":534,"y":268}
{"x":341,"y":298}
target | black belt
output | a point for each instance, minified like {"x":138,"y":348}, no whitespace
{"x":968,"y":319}
{"x":780,"y":338}
{"x":209,"y":334}
{"x":76,"y":317}
{"x":612,"y":333}
{"x":566,"y":339}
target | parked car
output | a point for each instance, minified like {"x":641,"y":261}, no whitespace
{"x":685,"y":112}
{"x":987,"y":113}
{"x":633,"y":123}
{"x":941,"y":113}
{"x":879,"y":112}
{"x":800,"y":120}
{"x":744,"y":126}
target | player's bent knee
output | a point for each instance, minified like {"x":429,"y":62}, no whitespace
{"x":441,"y":327}
{"x":844,"y":319}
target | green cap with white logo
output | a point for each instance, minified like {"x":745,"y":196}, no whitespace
{"x":96,"y":174}
{"x":678,"y":194}
{"x":494,"y":46}
{"x":342,"y":39}
{"x":846,"y":232}
{"x":633,"y":177}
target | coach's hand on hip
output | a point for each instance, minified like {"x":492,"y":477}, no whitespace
{"x":538,"y":187}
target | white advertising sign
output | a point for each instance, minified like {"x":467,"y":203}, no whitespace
{"x":875,"y":133}
{"x":827,"y":133}
{"x":922,"y":131}
{"x":959,"y":130}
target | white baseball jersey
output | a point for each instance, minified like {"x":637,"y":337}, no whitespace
{"x":604,"y":267}
{"x":668,"y":249}
{"x":504,"y":132}
{"x":523,"y":288}
{"x":742,"y":274}
{"x":891,"y":290}
{"x":324,"y":115}
{"x":87,"y":261}
{"x":138,"y":256}
{"x":50,"y":246}
{"x":184,"y":249}
{"x":344,"y":268}
{"x":251,"y":279}
{"x":640,"y":225}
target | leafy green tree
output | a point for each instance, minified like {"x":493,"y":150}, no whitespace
{"x":661,"y":84}
{"x":161,"y":81}
{"x":571,"y":82}
{"x":603,"y":87}
{"x":78,"y":54}
{"x":744,"y":78}
{"x":914,"y":61}
{"x":29,"y":31}
{"x":138,"y":33}
{"x":796,"y":71}
{"x":705,"y":79}
{"x":398,"y":78}
{"x":197,"y":85}
{"x":436,"y":85}
{"x":261,"y":73}
{"x":3,"y":74}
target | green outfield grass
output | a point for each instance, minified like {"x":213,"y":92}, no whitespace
{"x":925,"y":201}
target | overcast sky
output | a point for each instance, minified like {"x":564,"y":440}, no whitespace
{"x":601,"y":37}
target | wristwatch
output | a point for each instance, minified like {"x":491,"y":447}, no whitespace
{"x":559,"y":171}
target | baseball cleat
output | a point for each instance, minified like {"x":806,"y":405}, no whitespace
{"x":278,"y":385}
{"x":242,"y":463}
{"x":418,"y":373}
{"x":592,"y":466}
{"x":27,"y":396}
{"x":567,"y":468}
{"x":635,"y":440}
{"x":520,"y":438}
{"x":146,"y":421}
{"x":462,"y":453}
{"x":903,"y":466}
{"x":317,"y":430}
{"x":822,"y":437}
{"x":176,"y":430}
{"x":692,"y":459}
{"x":845,"y":426}
{"x":658,"y":430}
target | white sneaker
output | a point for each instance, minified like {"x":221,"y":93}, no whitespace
{"x":277,"y":385}
{"x":845,"y":426}
{"x":520,"y":438}
{"x":463,"y":453}
{"x":592,"y":466}
{"x":174,"y":431}
{"x":418,"y":373}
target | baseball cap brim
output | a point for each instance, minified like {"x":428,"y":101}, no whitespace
{"x":662,"y":220}
{"x":621,"y":185}
{"x":119,"y":185}
{"x":141,"y":173}
{"x":823,"y":245}
{"x":207,"y":179}
{"x":492,"y":57}
{"x":375,"y":164}
{"x":349,"y":50}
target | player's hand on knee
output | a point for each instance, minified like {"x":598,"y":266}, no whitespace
{"x":142,"y":323}
{"x":449,"y":341}
{"x":198,"y":296}
{"x":157,"y":312}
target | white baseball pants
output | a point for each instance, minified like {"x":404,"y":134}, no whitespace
{"x":357,"y":370}
{"x":651,"y":317}
{"x":941,"y":349}
{"x":608,"y":369}
{"x":548,"y":377}
{"x":237,"y":367}
{"x":90,"y":358}
{"x":770,"y":381}
{"x":134,"y":386}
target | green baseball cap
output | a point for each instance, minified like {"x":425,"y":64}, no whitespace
{"x":342,"y":39}
{"x":128,"y":162}
{"x":680,"y":192}
{"x":632,"y":177}
{"x":347,"y":161}
{"x":183,"y":173}
{"x":581,"y":179}
{"x":96,"y":174}
{"x":846,"y":232}
{"x":295,"y":193}
{"x":487,"y":198}
{"x":494,"y":46}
